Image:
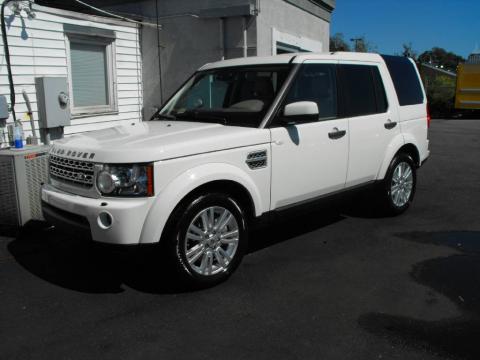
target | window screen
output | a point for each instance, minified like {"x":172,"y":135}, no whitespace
{"x":405,"y":79}
{"x":89,"y":74}
{"x":358,"y":90}
{"x":317,"y":83}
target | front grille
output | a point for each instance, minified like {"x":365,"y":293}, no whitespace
{"x":76,"y":172}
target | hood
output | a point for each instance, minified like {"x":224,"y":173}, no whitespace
{"x":156,"y":140}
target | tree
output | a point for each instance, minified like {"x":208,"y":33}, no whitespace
{"x":408,"y":51}
{"x":441,"y":96}
{"x":442,"y":58}
{"x":338,"y":43}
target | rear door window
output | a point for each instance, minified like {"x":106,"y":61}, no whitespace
{"x":358,"y":90}
{"x":405,"y":79}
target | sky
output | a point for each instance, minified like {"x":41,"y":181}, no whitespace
{"x":451,"y":24}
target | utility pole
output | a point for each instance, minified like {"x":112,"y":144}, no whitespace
{"x":356,"y":41}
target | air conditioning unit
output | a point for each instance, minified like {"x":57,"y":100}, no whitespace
{"x":22,"y":172}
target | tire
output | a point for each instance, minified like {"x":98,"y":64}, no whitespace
{"x":203,"y":255}
{"x":398,"y":188}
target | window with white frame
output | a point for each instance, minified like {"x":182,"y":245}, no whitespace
{"x":91,"y":73}
{"x":283,"y":42}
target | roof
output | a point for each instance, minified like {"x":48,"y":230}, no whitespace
{"x":77,"y":7}
{"x":295,"y":58}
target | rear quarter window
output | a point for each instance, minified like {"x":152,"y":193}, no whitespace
{"x":405,"y":79}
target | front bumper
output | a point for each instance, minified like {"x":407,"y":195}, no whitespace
{"x":78,"y":213}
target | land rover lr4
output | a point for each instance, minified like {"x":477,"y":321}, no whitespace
{"x":240,"y":139}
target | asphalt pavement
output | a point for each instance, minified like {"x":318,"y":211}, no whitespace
{"x":336,"y":284}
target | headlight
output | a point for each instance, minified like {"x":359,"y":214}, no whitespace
{"x":126,"y":180}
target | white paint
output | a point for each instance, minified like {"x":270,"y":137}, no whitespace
{"x":303,"y":160}
{"x":42,"y":51}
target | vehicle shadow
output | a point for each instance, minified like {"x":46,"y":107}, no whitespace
{"x":79,"y":264}
{"x":456,"y":277}
{"x":363,"y":204}
{"x":292,"y":224}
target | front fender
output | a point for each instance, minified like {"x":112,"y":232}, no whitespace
{"x":171,"y":195}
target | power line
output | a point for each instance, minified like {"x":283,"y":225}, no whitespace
{"x":105,"y":12}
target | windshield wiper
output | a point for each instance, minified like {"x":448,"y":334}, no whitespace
{"x":201,"y":116}
{"x":163,"y":116}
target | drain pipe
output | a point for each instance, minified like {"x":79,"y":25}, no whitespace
{"x":245,"y":39}
{"x":223,"y":41}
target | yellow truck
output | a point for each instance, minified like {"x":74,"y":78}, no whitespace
{"x":467,"y":94}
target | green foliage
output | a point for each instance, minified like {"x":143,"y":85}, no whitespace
{"x":441,"y":96}
{"x":440,"y":57}
{"x":440,"y":88}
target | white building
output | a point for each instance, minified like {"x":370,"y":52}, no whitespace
{"x":99,"y":56}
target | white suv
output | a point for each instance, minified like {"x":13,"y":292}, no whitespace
{"x":243,"y":138}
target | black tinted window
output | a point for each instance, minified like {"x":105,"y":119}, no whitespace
{"x":381,"y":95}
{"x":358,"y":90}
{"x":317,"y":83}
{"x":238,"y":96}
{"x":405,"y":79}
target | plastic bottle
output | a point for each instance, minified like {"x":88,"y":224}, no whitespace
{"x":18,"y":135}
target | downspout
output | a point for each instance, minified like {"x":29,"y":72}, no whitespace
{"x":159,"y":53}
{"x":223,"y":45}
{"x":245,"y":39}
{"x":247,"y":20}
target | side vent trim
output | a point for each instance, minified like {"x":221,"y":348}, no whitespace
{"x":257,"y":159}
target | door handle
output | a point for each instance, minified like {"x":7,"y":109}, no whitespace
{"x":390,"y":124}
{"x":336,"y":134}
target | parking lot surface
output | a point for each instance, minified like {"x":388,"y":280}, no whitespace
{"x":334,"y":284}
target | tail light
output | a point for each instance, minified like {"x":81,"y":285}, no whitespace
{"x":429,"y":118}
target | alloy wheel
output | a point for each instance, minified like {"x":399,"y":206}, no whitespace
{"x":402,"y":184}
{"x":211,"y":241}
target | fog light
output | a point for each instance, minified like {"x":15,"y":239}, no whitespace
{"x":105,"y":220}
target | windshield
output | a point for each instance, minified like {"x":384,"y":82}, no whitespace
{"x":237,"y":96}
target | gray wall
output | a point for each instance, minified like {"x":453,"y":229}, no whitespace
{"x":187,"y":42}
{"x":290,"y":19}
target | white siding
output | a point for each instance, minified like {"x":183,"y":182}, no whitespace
{"x":38,"y":48}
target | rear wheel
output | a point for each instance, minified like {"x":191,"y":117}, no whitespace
{"x":208,"y":239}
{"x":398,"y":188}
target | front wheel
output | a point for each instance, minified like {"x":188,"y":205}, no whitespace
{"x":398,"y":188}
{"x":208,"y":239}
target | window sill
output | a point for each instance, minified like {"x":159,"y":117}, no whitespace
{"x":92,"y":114}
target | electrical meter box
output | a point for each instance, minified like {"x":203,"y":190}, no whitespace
{"x":53,"y":102}
{"x":4,"y":114}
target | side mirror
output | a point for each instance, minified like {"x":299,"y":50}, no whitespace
{"x":300,"y":111}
